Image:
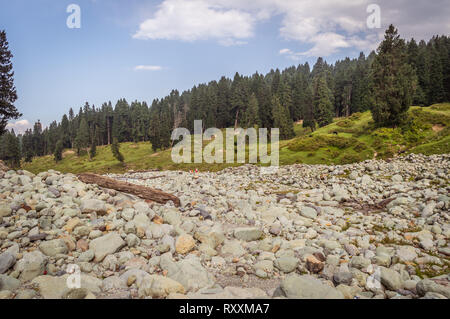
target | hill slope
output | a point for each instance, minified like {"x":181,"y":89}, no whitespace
{"x":346,"y":140}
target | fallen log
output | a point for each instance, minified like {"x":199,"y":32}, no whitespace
{"x":137,"y":190}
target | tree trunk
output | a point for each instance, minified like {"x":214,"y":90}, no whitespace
{"x":236,"y":120}
{"x":140,"y":191}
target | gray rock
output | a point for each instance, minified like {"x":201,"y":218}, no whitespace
{"x":248,"y":233}
{"x":427,"y":286}
{"x":308,"y":287}
{"x":9,"y":283}
{"x":191,"y":274}
{"x":53,"y":247}
{"x":359,"y":262}
{"x":5,"y":210}
{"x":390,"y":279}
{"x":308,"y":212}
{"x":263,"y":268}
{"x":106,"y":245}
{"x":342,"y":277}
{"x":86,"y":256}
{"x":50,"y":287}
{"x":159,"y":287}
{"x":406,"y":253}
{"x":7,"y":260}
{"x":93,"y":205}
{"x":286,"y":264}
{"x":234,"y":248}
{"x":31,"y":265}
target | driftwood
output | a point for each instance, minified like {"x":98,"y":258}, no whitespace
{"x":137,"y":190}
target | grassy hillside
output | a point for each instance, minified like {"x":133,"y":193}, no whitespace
{"x":426,"y":130}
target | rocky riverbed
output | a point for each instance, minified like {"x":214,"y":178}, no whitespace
{"x":376,"y":229}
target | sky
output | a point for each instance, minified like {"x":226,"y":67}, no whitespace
{"x":141,"y":50}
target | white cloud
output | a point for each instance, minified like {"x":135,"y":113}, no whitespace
{"x":19,"y":126}
{"x":327,"y":26}
{"x":147,"y":68}
{"x":197,"y":20}
{"x":285,"y":51}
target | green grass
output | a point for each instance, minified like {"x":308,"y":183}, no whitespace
{"x":358,"y":139}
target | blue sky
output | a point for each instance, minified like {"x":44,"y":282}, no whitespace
{"x":144,"y":49}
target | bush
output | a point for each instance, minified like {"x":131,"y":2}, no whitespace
{"x":345,"y":123}
{"x":58,"y":151}
{"x":349,"y":158}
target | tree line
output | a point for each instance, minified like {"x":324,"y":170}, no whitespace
{"x":399,"y":74}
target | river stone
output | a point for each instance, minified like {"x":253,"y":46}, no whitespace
{"x":390,"y":279}
{"x":51,"y":287}
{"x":406,"y":253}
{"x":9,"y":283}
{"x":53,"y":247}
{"x":191,"y":274}
{"x":427,"y":285}
{"x":5,"y":210}
{"x":7,"y":260}
{"x":184,"y":244}
{"x":159,"y":287}
{"x":93,"y":205}
{"x":307,"y":287}
{"x":31,"y":265}
{"x":308,"y":212}
{"x":248,"y":233}
{"x":106,"y":245}
{"x":286,"y":264}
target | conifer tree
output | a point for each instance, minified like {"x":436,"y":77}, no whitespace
{"x":58,"y":151}
{"x":309,"y":120}
{"x":115,"y":148}
{"x":93,"y":149}
{"x":281,"y":119}
{"x":394,"y":81}
{"x":322,"y":103}
{"x":8,"y":94}
{"x":251,"y":117}
{"x":10,"y":149}
{"x":82,"y":139}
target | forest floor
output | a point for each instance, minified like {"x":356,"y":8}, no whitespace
{"x":346,"y":140}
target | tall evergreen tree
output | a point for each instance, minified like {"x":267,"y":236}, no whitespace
{"x":394,"y":81}
{"x":83,"y":136}
{"x":282,"y":119}
{"x":8,"y":94}
{"x":322,"y":103}
{"x":115,"y":148}
{"x":10,"y":149}
{"x":58,"y":151}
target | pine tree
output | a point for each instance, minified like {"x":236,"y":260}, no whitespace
{"x":58,"y":151}
{"x":282,"y":119}
{"x":394,"y":81}
{"x":8,"y":94}
{"x":27,"y":146}
{"x":322,"y":103}
{"x":10,"y":149}
{"x":437,"y":92}
{"x":93,"y":150}
{"x":251,"y":116}
{"x":115,"y":148}
{"x":82,"y":139}
{"x":65,"y":132}
{"x":309,"y":120}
